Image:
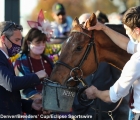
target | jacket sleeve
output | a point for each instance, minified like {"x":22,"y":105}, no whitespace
{"x":27,"y":106}
{"x":27,"y":92}
{"x":10,"y":82}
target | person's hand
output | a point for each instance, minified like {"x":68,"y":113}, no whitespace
{"x":91,"y":92}
{"x":98,"y":26}
{"x":37,"y":104}
{"x":36,"y":96}
{"x":41,"y":74}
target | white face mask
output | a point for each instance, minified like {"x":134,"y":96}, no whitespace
{"x":37,"y":49}
{"x":133,"y":40}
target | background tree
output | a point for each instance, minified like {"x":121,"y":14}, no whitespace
{"x":75,"y":8}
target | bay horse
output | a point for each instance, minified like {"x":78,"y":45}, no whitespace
{"x":84,"y":50}
{"x":95,"y":46}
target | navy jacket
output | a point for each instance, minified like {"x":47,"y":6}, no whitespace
{"x":103,"y":79}
{"x":10,"y":99}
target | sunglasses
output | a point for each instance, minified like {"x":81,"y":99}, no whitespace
{"x":12,"y":24}
{"x":61,"y":13}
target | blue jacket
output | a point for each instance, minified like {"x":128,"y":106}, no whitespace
{"x":10,"y":99}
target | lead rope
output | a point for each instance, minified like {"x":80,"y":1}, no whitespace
{"x":109,"y":112}
{"x":110,"y":115}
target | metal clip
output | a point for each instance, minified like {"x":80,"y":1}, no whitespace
{"x":110,"y":114}
{"x":70,"y":79}
{"x":82,"y":81}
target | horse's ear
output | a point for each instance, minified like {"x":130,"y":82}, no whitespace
{"x":91,"y":21}
{"x":75,"y":22}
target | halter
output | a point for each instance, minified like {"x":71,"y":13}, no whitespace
{"x":87,"y":51}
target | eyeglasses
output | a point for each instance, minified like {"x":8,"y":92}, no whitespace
{"x":19,"y":27}
{"x":61,"y":13}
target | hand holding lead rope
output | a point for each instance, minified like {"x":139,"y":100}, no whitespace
{"x":81,"y":96}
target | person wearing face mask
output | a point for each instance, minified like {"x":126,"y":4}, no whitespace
{"x":130,"y":76}
{"x":33,"y":59}
{"x":10,"y":84}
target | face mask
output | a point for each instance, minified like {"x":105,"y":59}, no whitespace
{"x":133,"y":40}
{"x":37,"y":49}
{"x":14,"y":49}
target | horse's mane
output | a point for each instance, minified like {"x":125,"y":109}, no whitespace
{"x":108,"y":50}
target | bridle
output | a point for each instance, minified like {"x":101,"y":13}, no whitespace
{"x":87,"y":51}
{"x":79,"y":78}
{"x":73,"y":89}
{"x":73,"y":69}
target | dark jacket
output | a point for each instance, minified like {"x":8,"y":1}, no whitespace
{"x":10,"y":99}
{"x":103,"y":79}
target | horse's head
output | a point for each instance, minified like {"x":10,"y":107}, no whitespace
{"x":78,"y":59}
{"x":78,"y":56}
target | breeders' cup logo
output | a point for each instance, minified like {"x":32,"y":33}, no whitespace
{"x":68,"y":93}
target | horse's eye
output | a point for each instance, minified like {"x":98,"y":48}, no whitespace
{"x":79,"y":48}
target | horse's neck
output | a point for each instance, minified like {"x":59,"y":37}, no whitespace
{"x":109,"y":52}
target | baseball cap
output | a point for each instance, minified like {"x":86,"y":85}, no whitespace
{"x":58,"y":8}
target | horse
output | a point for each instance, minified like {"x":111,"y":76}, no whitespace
{"x":83,"y":51}
{"x":75,"y":48}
